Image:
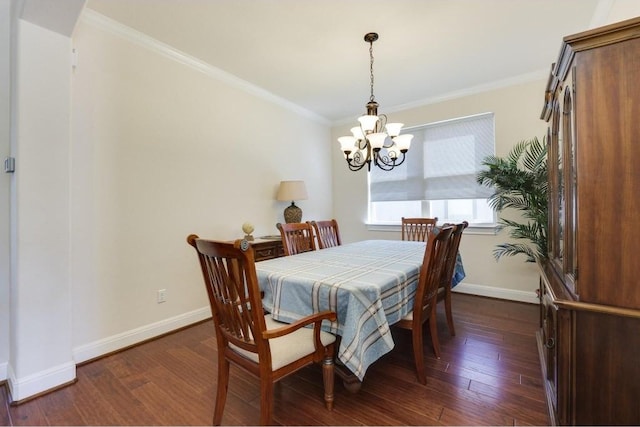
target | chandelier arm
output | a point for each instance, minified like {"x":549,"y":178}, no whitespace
{"x":381,"y":160}
{"x":401,"y":161}
{"x":355,"y":168}
{"x":380,"y":163}
{"x":364,"y":143}
{"x":358,"y":160}
{"x":388,"y":162}
{"x":382,"y":122}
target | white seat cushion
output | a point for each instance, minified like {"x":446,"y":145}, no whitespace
{"x":288,"y":348}
{"x":409,"y":316}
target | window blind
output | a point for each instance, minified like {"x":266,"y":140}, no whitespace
{"x":442,"y":163}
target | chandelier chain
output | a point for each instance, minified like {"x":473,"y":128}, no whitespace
{"x":372,"y":97}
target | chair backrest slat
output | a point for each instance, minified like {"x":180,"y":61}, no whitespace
{"x":233,"y":291}
{"x":417,"y":229}
{"x":297,"y":237}
{"x":327,"y":233}
{"x":433,"y":265}
{"x":452,"y":255}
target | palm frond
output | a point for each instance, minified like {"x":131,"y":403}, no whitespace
{"x":509,"y":249}
{"x":519,"y":181}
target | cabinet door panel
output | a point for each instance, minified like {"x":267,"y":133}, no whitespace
{"x":569,"y":183}
{"x":556,"y":208}
{"x":549,"y":336}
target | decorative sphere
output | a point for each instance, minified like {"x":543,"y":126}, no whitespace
{"x":247,"y":227}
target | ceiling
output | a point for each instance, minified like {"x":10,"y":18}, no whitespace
{"x":312,"y":52}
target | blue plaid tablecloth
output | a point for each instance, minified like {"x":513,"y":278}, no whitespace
{"x":369,"y":284}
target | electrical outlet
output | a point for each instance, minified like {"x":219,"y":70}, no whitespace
{"x":162,"y":295}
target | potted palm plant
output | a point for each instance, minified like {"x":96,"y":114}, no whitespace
{"x":520,"y":183}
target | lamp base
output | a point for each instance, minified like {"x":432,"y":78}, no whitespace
{"x":292,"y":213}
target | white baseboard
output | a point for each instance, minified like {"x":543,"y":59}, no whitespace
{"x":116,"y":342}
{"x":22,"y":388}
{"x":500,"y":293}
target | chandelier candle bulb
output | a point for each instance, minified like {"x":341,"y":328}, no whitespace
{"x":368,"y":123}
{"x":347,"y":143}
{"x":393,"y":129}
{"x":357,"y":133}
{"x":377,"y":140}
{"x":403,"y":141}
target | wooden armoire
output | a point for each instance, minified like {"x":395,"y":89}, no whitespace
{"x":589,"y":338}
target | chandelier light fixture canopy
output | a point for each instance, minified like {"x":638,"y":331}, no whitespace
{"x":369,"y":142}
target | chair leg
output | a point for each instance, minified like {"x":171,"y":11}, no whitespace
{"x":328,"y":374}
{"x":221,"y":393}
{"x":266,"y":401}
{"x":447,"y":309}
{"x":433,"y":328}
{"x":418,"y":354}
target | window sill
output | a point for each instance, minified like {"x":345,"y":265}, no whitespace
{"x":481,"y":229}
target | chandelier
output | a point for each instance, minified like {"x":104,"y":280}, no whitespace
{"x":369,"y":142}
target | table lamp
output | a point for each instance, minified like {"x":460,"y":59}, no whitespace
{"x":292,"y":190}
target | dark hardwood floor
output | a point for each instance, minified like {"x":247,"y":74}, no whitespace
{"x":489,"y":374}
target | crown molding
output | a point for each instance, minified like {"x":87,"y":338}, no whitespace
{"x":109,"y":25}
{"x":474,"y":90}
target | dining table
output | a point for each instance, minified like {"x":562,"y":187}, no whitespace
{"x":370,"y":284}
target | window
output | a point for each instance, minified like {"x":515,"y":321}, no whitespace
{"x":438,"y":177}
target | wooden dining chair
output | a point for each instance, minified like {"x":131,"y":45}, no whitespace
{"x":297,"y":237}
{"x":444,"y":290}
{"x":417,"y":229}
{"x":424,"y":305}
{"x":327,"y":233}
{"x":248,"y":337}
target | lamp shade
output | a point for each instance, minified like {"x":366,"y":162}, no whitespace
{"x":291,"y":190}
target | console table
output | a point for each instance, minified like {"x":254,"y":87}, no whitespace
{"x":267,"y":248}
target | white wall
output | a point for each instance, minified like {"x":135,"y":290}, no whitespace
{"x":161,"y":150}
{"x":617,"y":10}
{"x":5,"y":182}
{"x":40,"y":331}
